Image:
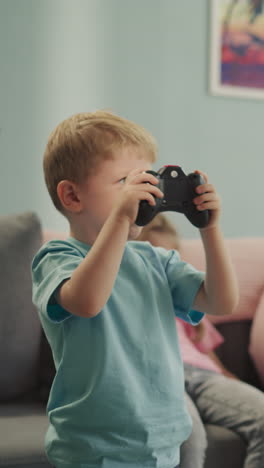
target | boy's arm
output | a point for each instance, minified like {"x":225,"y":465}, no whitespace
{"x":218,"y":295}
{"x":91,"y":284}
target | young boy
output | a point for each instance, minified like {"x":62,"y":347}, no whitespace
{"x":107,"y":305}
{"x":214,"y":394}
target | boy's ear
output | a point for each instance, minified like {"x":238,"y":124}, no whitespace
{"x":68,"y":194}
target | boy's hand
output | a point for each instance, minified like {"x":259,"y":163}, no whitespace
{"x":138,"y":186}
{"x":208,"y":199}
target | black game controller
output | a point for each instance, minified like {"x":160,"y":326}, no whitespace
{"x":179,"y":192}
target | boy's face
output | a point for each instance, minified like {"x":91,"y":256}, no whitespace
{"x":102,"y":190}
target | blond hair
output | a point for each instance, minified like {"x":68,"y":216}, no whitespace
{"x":79,"y":143}
{"x":159,"y":225}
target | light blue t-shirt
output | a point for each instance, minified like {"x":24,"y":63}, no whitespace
{"x":117,"y":397}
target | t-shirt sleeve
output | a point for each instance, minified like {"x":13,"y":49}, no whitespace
{"x":53,"y":264}
{"x":184,"y":281}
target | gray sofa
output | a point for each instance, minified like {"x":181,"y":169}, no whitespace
{"x":27,"y":368}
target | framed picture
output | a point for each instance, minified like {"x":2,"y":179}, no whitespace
{"x":237,"y":48}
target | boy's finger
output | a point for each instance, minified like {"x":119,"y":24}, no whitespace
{"x":133,"y":173}
{"x":210,"y":205}
{"x":145,"y":177}
{"x":150,"y":188}
{"x":205,"y":197}
{"x":203,"y":174}
{"x":205,"y":188}
{"x":148,"y":197}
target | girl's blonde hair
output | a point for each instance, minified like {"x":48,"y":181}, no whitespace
{"x":79,"y":143}
{"x":160,"y":225}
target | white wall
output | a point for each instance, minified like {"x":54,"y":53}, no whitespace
{"x":144,"y":59}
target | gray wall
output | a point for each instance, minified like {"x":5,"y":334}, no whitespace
{"x":144,"y":59}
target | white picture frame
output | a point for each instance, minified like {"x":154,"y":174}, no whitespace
{"x":236,"y":49}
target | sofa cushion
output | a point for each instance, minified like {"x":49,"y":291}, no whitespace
{"x":20,"y":238}
{"x":249,"y":265}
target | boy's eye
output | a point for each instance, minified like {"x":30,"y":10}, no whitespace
{"x":122,"y":181}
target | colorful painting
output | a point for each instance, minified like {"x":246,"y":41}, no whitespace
{"x":237,"y":48}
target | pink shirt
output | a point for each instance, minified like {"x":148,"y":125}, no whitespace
{"x":196,"y":353}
